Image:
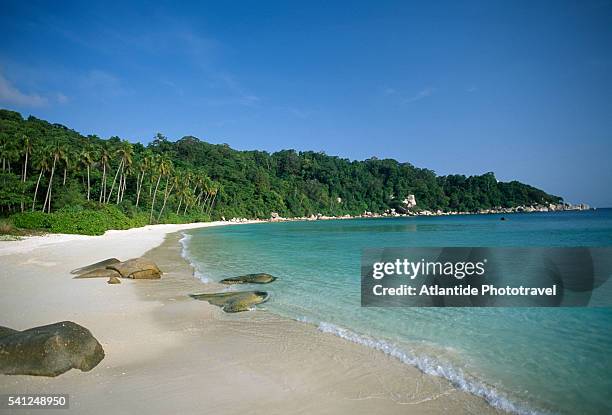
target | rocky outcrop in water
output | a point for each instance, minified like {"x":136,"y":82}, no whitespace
{"x":48,"y":350}
{"x":234,"y":302}
{"x":258,"y":278}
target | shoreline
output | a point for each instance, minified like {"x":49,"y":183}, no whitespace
{"x":173,"y":250}
{"x":425,"y":364}
{"x":164,"y":350}
{"x":22,"y":244}
{"x":150,"y":236}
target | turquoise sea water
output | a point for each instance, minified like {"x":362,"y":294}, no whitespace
{"x":524,"y":360}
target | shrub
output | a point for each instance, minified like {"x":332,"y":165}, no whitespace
{"x":189,"y":218}
{"x":76,"y":220}
{"x":139,"y":220}
{"x":32,"y":220}
{"x":79,"y":220}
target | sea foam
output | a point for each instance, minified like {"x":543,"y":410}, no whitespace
{"x":430,"y":366}
{"x":184,"y":241}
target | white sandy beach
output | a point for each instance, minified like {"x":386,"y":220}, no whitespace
{"x":167,"y":353}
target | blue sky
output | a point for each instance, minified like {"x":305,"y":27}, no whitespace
{"x":521,"y":88}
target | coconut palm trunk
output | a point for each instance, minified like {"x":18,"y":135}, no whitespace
{"x":204,"y":206}
{"x":25,"y":175}
{"x":139,"y":190}
{"x":178,"y":209}
{"x":49,"y":189}
{"x":103,"y":184}
{"x":88,"y":183}
{"x":166,"y":194}
{"x":124,"y":187}
{"x":119,"y":188}
{"x":36,"y":189}
{"x":114,"y":181}
{"x":25,"y":167}
{"x":212,"y":202}
{"x":154,"y":197}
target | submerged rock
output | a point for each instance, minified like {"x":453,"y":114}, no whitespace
{"x":259,"y":278}
{"x":48,"y":350}
{"x":102,"y":264}
{"x":99,"y":273}
{"x":137,"y":268}
{"x":234,"y":302}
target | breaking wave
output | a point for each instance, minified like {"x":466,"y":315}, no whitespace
{"x":430,"y":366}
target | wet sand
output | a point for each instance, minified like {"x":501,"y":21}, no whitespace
{"x":167,"y":353}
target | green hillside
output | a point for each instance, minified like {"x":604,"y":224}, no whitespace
{"x":116,"y":184}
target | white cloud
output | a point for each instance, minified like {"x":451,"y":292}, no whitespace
{"x":424,"y":93}
{"x":10,"y":94}
{"x":61,"y":98}
{"x":102,"y":84}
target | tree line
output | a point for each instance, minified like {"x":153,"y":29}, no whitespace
{"x":49,"y":168}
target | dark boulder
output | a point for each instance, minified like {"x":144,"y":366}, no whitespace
{"x":48,"y":350}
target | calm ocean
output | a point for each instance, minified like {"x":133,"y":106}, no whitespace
{"x":524,"y":360}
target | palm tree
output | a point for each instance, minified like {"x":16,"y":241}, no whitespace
{"x":43,"y":166}
{"x":183,"y":191}
{"x":207,"y":186}
{"x":128,"y":171}
{"x":57,"y":153}
{"x":27,"y":150}
{"x":214,"y":192}
{"x":104,"y":160}
{"x":168,"y":190}
{"x":86,"y":159}
{"x":66,"y":161}
{"x":144,"y":165}
{"x":163,"y":167}
{"x":125,"y":153}
{"x":114,"y":180}
{"x":189,"y":201}
{"x":4,"y":151}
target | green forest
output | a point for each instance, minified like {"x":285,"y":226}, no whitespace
{"x":55,"y":179}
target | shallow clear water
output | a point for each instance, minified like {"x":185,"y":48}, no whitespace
{"x":524,"y":360}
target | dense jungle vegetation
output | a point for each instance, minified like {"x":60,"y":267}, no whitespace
{"x":54,"y":178}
